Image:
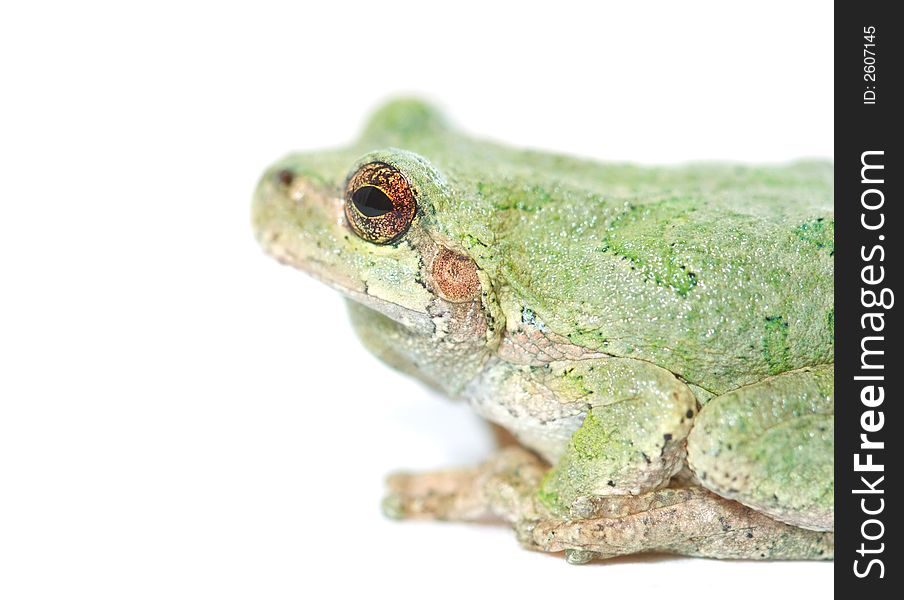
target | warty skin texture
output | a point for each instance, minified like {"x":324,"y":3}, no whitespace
{"x":591,"y":309}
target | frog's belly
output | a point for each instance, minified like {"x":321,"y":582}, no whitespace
{"x":509,"y":396}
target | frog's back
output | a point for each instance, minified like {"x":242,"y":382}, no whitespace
{"x":721,"y":274}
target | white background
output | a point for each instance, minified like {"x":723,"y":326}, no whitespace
{"x":184,"y":418}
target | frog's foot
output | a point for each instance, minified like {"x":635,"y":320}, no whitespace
{"x":503,"y":487}
{"x":684,"y":520}
{"x":690,"y":521}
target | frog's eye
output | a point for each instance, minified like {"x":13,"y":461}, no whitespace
{"x":379,"y":203}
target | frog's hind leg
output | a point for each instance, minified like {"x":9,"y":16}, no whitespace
{"x":689,"y":520}
{"x":770,"y":446}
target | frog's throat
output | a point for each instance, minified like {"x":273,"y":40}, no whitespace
{"x":419,"y":321}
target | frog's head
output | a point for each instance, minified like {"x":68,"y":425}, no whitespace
{"x":364,"y":220}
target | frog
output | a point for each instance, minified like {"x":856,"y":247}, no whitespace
{"x":654,"y":343}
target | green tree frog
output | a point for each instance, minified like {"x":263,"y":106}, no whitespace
{"x":658,"y":341}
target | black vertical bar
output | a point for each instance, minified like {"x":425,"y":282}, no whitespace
{"x":868,"y":367}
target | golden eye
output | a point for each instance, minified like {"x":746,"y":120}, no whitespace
{"x":379,"y":203}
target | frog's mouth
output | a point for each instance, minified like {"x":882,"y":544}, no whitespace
{"x":302,"y":224}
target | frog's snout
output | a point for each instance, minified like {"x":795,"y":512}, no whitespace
{"x":286,"y":198}
{"x":298,"y":221}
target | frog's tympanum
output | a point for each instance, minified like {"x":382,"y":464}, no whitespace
{"x":658,"y":340}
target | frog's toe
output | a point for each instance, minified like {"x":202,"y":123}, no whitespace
{"x":393,"y":506}
{"x":578,"y":556}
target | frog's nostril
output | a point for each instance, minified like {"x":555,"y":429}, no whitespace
{"x":285,"y":177}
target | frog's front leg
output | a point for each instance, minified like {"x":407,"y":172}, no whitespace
{"x":503,"y":487}
{"x":632,"y":437}
{"x":606,"y":494}
{"x":611,"y":426}
{"x":690,"y":521}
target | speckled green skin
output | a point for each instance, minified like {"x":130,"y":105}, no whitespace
{"x":615,"y":301}
{"x":745,"y":446}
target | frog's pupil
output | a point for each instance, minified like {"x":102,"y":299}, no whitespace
{"x":371,"y":201}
